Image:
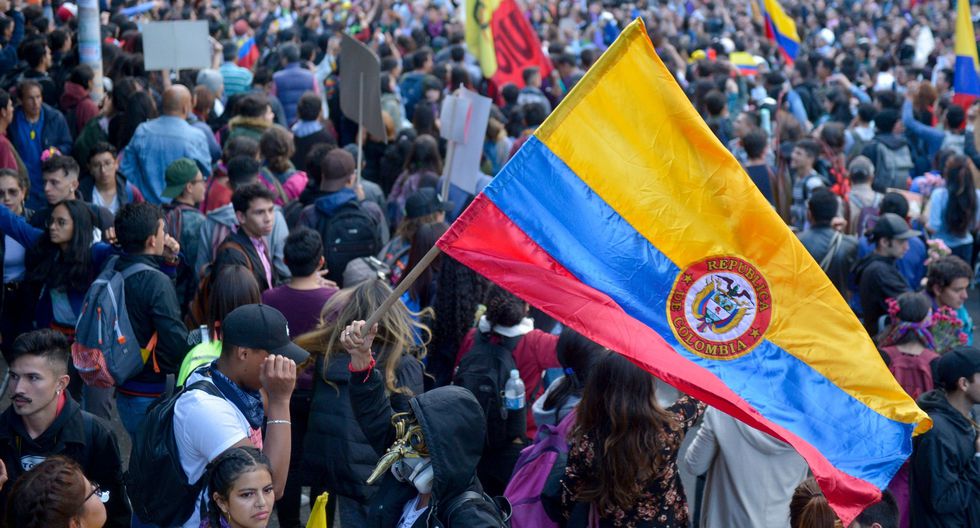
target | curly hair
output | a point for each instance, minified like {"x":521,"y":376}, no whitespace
{"x":504,"y":308}
{"x":459,"y":292}
{"x":944,"y":271}
{"x":50,"y":495}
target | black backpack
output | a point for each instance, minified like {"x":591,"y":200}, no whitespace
{"x":484,"y":371}
{"x":350,"y":232}
{"x":156,"y":483}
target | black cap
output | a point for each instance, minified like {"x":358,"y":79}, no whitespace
{"x":961,"y":362}
{"x":890,"y":225}
{"x":262,"y":327}
{"x":424,"y":202}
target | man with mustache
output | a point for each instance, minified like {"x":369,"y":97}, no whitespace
{"x":43,"y":420}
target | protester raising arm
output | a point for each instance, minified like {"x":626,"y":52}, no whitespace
{"x":17,"y":228}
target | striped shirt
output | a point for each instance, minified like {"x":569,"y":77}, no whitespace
{"x":237,"y":79}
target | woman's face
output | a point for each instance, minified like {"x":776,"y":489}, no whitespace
{"x":60,"y":226}
{"x":11,"y":195}
{"x":93,"y":509}
{"x":249,"y":500}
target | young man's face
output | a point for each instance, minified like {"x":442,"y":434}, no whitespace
{"x":953,"y":295}
{"x":103,"y":167}
{"x":259,"y":219}
{"x":34,"y":384}
{"x":895,"y":248}
{"x":800,"y":159}
{"x":31,"y":101}
{"x":197,"y":188}
{"x":58,"y":186}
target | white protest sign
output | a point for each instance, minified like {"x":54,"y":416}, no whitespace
{"x":176,"y":45}
{"x":468,"y":122}
{"x":455,"y":117}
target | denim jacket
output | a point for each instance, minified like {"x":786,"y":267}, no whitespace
{"x":155,"y":145}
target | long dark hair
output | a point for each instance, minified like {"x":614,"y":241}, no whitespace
{"x":226,"y":469}
{"x":962,"y":206}
{"x":234,"y":286}
{"x":576,"y":354}
{"x":139,"y":109}
{"x":425,"y":237}
{"x":50,"y":495}
{"x":620,"y":415}
{"x":48,"y":265}
{"x":424,"y":155}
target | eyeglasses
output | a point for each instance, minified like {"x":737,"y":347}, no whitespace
{"x":98,"y":491}
{"x":102,"y":166}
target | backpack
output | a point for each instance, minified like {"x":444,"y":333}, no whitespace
{"x":348,"y":233}
{"x":156,"y":483}
{"x":106,"y":351}
{"x":540,"y":463}
{"x":499,"y":505}
{"x":484,"y":371}
{"x":867,"y":215}
{"x":201,"y":304}
{"x":892,"y":167}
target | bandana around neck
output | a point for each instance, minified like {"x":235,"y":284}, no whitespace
{"x":247,"y":401}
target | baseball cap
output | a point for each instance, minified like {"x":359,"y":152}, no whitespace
{"x":263,"y":327}
{"x":863,"y":165}
{"x":890,"y":225}
{"x":178,"y":174}
{"x":425,"y":201}
{"x":961,"y":362}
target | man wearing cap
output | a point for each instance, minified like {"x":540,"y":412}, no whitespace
{"x":256,"y":354}
{"x":338,"y":182}
{"x":863,"y":201}
{"x":877,"y":274}
{"x":182,"y":220}
{"x":946,"y":460}
{"x":424,"y":206}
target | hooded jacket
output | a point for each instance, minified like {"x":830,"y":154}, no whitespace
{"x":125,"y":191}
{"x":75,"y":100}
{"x":251,"y":127}
{"x":76,"y":434}
{"x":734,"y":456}
{"x":945,"y":481}
{"x":337,"y":454}
{"x":454,"y":430}
{"x":222,"y":221}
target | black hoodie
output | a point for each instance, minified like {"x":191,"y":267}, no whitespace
{"x":878,"y":279}
{"x":76,"y":434}
{"x":945,"y":482}
{"x":455,"y":431}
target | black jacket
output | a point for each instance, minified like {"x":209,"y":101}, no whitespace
{"x":227,"y":256}
{"x":336,"y":453}
{"x":78,"y":435}
{"x":878,"y":279}
{"x":151,"y":302}
{"x":945,"y":480}
{"x":454,"y":430}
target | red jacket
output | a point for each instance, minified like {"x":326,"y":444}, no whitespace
{"x":534,"y":354}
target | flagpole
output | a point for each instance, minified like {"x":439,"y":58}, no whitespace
{"x":403,"y":286}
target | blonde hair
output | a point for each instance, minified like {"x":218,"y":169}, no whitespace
{"x":397,"y":330}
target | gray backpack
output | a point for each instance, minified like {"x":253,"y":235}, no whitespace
{"x":106,"y":351}
{"x":892,"y":168}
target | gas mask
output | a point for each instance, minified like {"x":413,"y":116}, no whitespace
{"x":408,"y":458}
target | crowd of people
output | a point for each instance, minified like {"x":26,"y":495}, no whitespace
{"x":230,"y":231}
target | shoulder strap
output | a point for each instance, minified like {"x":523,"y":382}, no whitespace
{"x":231,"y":244}
{"x":831,"y":251}
{"x":136,"y":268}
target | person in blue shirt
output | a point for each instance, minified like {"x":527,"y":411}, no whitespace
{"x":36,"y":128}
{"x":159,"y":142}
{"x":954,"y":210}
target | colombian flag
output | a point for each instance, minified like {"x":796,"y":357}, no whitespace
{"x":781,"y":29}
{"x":641,"y":231}
{"x":248,"y":53}
{"x":966,"y":82}
{"x":503,"y":41}
{"x":745,"y":63}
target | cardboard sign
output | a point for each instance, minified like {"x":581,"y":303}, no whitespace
{"x":469,"y":122}
{"x":176,"y":45}
{"x":455,"y":117}
{"x":360,"y":86}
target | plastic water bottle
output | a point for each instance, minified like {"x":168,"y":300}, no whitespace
{"x":514,"y":392}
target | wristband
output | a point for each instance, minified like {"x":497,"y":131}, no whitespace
{"x":367,"y":371}
{"x":273,"y":422}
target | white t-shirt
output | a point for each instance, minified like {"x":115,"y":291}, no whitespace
{"x":204,"y":427}
{"x":411,"y":513}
